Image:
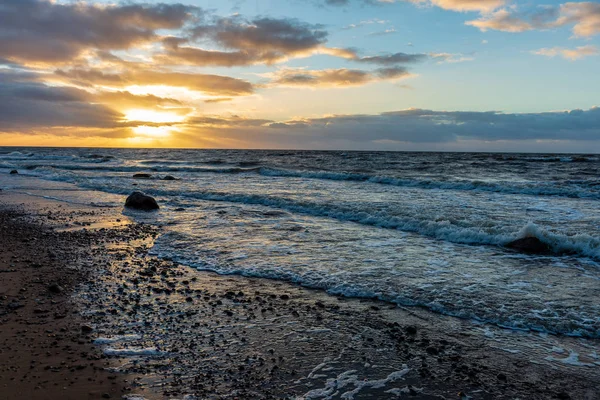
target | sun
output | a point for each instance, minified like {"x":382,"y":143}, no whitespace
{"x":158,"y":117}
{"x":153,"y":131}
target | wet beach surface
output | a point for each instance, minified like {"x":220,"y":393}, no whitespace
{"x":158,"y":329}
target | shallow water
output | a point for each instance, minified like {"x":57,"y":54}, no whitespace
{"x":421,"y":229}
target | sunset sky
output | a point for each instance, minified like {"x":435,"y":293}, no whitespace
{"x":482,"y":75}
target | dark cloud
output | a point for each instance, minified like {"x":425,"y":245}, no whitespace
{"x":412,"y":127}
{"x":26,"y":104}
{"x":264,"y":34}
{"x":44,"y":31}
{"x":246,"y":42}
{"x":340,"y":77}
{"x":394,"y":59}
{"x":226,"y":121}
{"x":390,"y":59}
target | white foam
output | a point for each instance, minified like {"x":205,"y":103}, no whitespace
{"x":134,"y":352}
{"x":116,"y":339}
{"x":350,"y":378}
{"x":571,"y":359}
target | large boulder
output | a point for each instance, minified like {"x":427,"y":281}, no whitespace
{"x":142,"y":176}
{"x":140,"y":201}
{"x":530,"y":245}
{"x":14,"y":172}
{"x":169,"y":178}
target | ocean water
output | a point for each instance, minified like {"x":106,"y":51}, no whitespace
{"x":415,"y":229}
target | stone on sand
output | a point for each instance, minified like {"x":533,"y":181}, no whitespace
{"x":140,"y":201}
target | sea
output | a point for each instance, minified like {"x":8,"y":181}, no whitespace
{"x":415,"y":229}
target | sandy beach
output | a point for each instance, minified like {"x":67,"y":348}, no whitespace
{"x":86,"y":312}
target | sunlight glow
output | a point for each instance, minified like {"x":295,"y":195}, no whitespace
{"x":154,"y":131}
{"x":153,"y":116}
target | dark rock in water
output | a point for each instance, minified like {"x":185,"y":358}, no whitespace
{"x":140,"y":201}
{"x":86,"y":329}
{"x":531,"y":245}
{"x":142,"y":176}
{"x":411,"y":330}
{"x":169,"y":178}
{"x":180,"y":209}
{"x":14,"y":172}
{"x":55,"y":288}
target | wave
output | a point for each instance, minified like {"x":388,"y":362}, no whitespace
{"x":582,"y":244}
{"x":169,"y":246}
{"x":535,"y":189}
{"x":570,"y":189}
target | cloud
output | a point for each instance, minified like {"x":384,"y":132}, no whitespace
{"x":584,"y":17}
{"x":207,"y":83}
{"x":393,"y":59}
{"x":501,"y":20}
{"x":454,"y":5}
{"x":26,"y":104}
{"x":569,"y":54}
{"x":365,"y":22}
{"x":389,"y":31}
{"x":469,"y":5}
{"x":123,"y":99}
{"x":264,"y":41}
{"x":218,"y":100}
{"x":50,"y":32}
{"x":340,"y":77}
{"x":426,"y":127}
{"x":247,"y":42}
{"x":450,"y":58}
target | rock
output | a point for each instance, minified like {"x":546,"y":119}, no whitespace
{"x":14,"y":172}
{"x":14,"y":305}
{"x":142,"y":176}
{"x":55,"y":288}
{"x":140,"y":201}
{"x":86,"y":329}
{"x":531,"y":245}
{"x":169,"y":178}
{"x":501,"y":377}
{"x":411,"y":330}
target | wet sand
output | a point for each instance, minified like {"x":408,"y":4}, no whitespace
{"x":157,"y":329}
{"x":45,"y":347}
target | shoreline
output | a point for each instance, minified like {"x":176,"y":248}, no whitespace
{"x":168,"y":330}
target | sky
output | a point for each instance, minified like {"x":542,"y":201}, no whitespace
{"x":426,"y":75}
